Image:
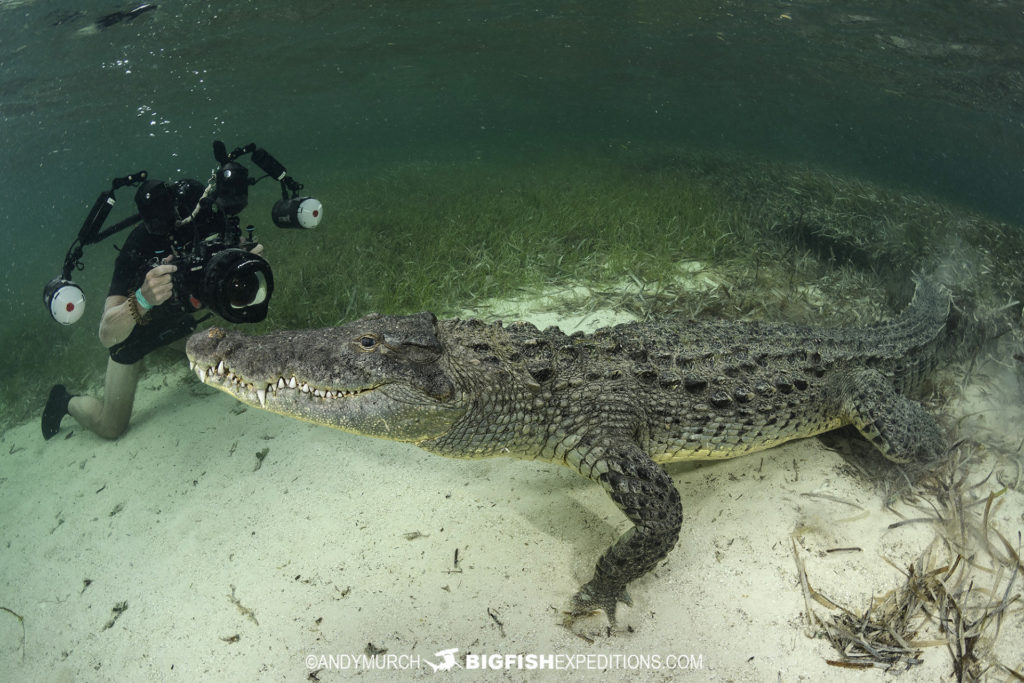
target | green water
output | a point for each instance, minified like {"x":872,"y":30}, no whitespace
{"x":923,"y":96}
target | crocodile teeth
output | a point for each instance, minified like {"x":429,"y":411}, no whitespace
{"x":305,"y":388}
{"x":201,"y":373}
{"x":292,"y":383}
{"x":280,"y":383}
{"x":261,"y":394}
{"x":220,"y":368}
{"x":191,"y":365}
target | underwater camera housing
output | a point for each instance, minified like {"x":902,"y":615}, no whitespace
{"x":217,"y":271}
{"x":225,"y":277}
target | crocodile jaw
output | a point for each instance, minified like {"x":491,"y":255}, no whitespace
{"x":336,"y":391}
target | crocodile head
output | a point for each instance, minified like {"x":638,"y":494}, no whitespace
{"x":383,"y":376}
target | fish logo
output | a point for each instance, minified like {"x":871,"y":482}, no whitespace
{"x":447,"y":660}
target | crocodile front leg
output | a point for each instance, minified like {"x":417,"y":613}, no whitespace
{"x":648,"y":497}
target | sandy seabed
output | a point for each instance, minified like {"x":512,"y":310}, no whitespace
{"x":216,"y":542}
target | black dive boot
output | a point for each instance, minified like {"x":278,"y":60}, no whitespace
{"x":55,"y":410}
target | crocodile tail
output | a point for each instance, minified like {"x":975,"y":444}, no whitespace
{"x":916,"y":339}
{"x":977,"y":320}
{"x":951,"y":321}
{"x":923,"y":321}
{"x":929,"y":309}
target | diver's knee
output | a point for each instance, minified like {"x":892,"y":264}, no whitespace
{"x":112,"y":430}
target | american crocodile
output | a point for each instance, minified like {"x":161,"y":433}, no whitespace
{"x":613,"y":405}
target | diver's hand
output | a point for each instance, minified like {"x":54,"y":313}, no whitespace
{"x":257,"y":250}
{"x":157,"y":287}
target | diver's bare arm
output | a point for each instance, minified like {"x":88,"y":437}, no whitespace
{"x":117,"y":321}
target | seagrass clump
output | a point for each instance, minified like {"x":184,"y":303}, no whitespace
{"x":955,"y":595}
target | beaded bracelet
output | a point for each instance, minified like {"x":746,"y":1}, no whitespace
{"x":133,"y":309}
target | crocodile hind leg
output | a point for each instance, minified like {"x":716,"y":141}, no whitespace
{"x":898,"y":427}
{"x":648,"y":497}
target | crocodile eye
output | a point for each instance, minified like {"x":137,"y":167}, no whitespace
{"x":367,"y":342}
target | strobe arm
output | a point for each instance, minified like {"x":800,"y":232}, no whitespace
{"x":276,"y":170}
{"x":90,"y":230}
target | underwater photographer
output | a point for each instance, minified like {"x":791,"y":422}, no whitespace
{"x":185,"y":260}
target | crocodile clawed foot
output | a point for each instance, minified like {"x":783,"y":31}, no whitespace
{"x":589,"y":602}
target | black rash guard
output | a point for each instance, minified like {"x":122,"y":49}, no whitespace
{"x":165,"y":323}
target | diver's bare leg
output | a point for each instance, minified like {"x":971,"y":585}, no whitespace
{"x":109,"y":417}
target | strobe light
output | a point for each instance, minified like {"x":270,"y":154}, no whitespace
{"x":65,"y":300}
{"x":297,"y":212}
